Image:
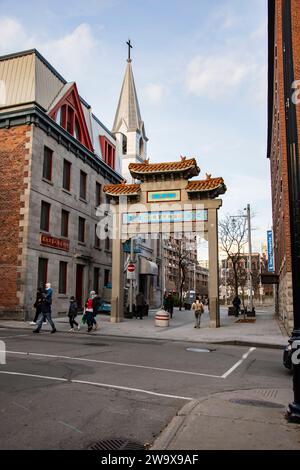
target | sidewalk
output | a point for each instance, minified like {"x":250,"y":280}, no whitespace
{"x":239,"y":420}
{"x":265,"y":331}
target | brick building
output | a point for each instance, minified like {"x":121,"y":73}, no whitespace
{"x":284,"y":55}
{"x":55,"y":157}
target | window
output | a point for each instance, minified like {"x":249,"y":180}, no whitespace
{"x":124,"y":144}
{"x":107,"y":244}
{"x":83,"y":178}
{"x":47,"y":165}
{"x":67,"y":175}
{"x":64,"y":223}
{"x":77,"y":130}
{"x":97,"y":239}
{"x":45,"y":216}
{"x":70,"y":120}
{"x":106,"y":277}
{"x":98,"y":194}
{"x":108,"y":151}
{"x":62,"y":283}
{"x":81,"y":230}
{"x":96,"y":280}
{"x":141,"y":147}
{"x":42,"y":272}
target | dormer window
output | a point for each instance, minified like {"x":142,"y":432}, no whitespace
{"x":68,"y":113}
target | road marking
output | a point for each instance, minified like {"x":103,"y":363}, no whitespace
{"x":20,"y":406}
{"x":114,"y":363}
{"x":70,"y":426}
{"x":97,"y":384}
{"x":244,"y":357}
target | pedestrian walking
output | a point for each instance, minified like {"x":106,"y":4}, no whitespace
{"x":165,"y":301}
{"x":198,"y":308}
{"x":236,"y":304}
{"x":88,"y":311}
{"x":97,"y":302}
{"x":170,"y":304}
{"x":37,"y":305}
{"x":140,"y":302}
{"x":46,"y":311}
{"x":72,"y":314}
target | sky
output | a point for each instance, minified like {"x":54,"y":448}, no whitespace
{"x":200,"y":69}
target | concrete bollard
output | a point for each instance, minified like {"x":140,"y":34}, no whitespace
{"x":162,"y":318}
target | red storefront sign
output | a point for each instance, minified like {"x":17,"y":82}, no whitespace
{"x":53,"y":242}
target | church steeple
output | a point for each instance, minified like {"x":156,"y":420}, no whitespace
{"x":128,"y":125}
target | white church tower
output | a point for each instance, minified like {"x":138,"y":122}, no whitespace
{"x":128,"y":127}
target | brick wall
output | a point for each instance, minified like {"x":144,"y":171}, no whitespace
{"x":14,"y":167}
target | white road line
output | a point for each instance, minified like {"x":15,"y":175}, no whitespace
{"x":84,"y":382}
{"x":114,"y":363}
{"x":244,"y":357}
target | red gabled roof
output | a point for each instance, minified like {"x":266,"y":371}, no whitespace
{"x":71,"y":98}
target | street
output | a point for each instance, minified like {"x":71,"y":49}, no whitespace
{"x":67,"y":391}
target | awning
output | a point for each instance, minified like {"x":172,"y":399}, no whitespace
{"x":148,"y":267}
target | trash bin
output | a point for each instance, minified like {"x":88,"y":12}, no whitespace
{"x":162,"y":318}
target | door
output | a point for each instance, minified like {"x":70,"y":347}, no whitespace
{"x":79,"y":284}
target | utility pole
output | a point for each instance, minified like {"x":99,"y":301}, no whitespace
{"x":225,"y":281}
{"x":249,"y":258}
{"x":131,"y":280}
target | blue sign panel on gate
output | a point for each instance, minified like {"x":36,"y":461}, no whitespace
{"x":271,"y":267}
{"x":165,"y":217}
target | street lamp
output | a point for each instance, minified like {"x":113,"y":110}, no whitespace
{"x":248,"y":217}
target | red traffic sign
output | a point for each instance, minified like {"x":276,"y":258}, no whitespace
{"x":131,"y":268}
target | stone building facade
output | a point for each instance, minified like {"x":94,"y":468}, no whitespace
{"x":55,"y":157}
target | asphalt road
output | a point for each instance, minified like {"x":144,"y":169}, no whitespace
{"x":70,"y":391}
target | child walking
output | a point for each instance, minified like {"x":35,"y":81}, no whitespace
{"x":73,"y":309}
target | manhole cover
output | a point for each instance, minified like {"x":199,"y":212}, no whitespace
{"x":117,"y":444}
{"x":199,"y":350}
{"x":266,"y":404}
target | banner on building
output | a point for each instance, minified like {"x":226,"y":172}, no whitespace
{"x":271,"y":267}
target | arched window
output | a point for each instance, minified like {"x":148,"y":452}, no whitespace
{"x":141,"y":147}
{"x":124,"y":144}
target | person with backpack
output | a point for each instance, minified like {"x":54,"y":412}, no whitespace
{"x":198,"y":308}
{"x":73,"y":310}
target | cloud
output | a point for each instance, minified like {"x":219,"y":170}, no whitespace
{"x":153,"y":93}
{"x":13,"y":36}
{"x":73,"y":53}
{"x":216,"y":76}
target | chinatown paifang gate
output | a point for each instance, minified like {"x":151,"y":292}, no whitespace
{"x":163,"y":201}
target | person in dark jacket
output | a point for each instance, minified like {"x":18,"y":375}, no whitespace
{"x":236,"y":304}
{"x":37,"y":305}
{"x":166,"y":302}
{"x":170,"y":304}
{"x":45,"y":311}
{"x":140,"y":302}
{"x":97,"y":302}
{"x":73,"y":310}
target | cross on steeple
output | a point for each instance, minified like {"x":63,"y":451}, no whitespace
{"x":129,"y":47}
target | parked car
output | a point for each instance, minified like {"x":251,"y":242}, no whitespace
{"x":105,"y":308}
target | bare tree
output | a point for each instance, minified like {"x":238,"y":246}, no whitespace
{"x":233,"y":238}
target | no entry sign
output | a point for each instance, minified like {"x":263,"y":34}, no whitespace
{"x":131,"y":271}
{"x":131,"y":268}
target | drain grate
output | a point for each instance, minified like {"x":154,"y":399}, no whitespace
{"x":117,"y":444}
{"x":262,"y":403}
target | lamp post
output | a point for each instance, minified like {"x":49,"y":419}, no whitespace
{"x":248,"y":217}
{"x":293,"y":161}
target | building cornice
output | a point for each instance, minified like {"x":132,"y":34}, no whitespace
{"x":35,"y":116}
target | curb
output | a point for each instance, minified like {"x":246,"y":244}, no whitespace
{"x":192,"y":340}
